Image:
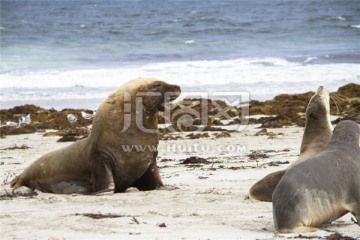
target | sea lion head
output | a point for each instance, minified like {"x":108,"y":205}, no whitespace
{"x":156,"y":94}
{"x":134,"y":104}
{"x":347,"y":131}
{"x":319,"y":105}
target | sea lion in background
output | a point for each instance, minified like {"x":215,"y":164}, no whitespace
{"x":318,"y":132}
{"x":121,"y":149}
{"x":322,"y":188}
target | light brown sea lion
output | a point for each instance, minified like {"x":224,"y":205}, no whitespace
{"x":322,"y":188}
{"x":318,"y":132}
{"x":121,"y":149}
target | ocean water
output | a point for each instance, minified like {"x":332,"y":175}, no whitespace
{"x":74,"y":53}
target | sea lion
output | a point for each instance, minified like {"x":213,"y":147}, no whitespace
{"x":322,"y":188}
{"x":120,"y":151}
{"x":318,"y":132}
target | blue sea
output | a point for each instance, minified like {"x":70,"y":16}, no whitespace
{"x":73,"y":53}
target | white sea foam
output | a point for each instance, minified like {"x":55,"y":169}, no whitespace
{"x":355,"y":26}
{"x":189,"y":41}
{"x":309,"y":59}
{"x":263,"y":78}
{"x":339,"y":18}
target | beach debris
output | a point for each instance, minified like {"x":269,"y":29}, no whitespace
{"x":198,"y":135}
{"x":135,"y":220}
{"x":17,"y":130}
{"x":257,"y":154}
{"x":161,"y":225}
{"x":71,"y":135}
{"x":222,"y":135}
{"x":168,"y":136}
{"x":202,"y":177}
{"x":237,"y":168}
{"x":167,"y":160}
{"x":334,"y":236}
{"x":87,"y":116}
{"x":277,"y":163}
{"x":24,"y":146}
{"x":195,"y":160}
{"x":71,"y":118}
{"x":101,"y":215}
{"x":262,"y":132}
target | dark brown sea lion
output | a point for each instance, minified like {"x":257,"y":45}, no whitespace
{"x":120,"y":151}
{"x":318,"y":132}
{"x":323,"y":188}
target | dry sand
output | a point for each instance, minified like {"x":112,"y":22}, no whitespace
{"x":205,"y":201}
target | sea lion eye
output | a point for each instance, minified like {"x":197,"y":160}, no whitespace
{"x":313,"y":116}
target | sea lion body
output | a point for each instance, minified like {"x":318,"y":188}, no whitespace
{"x":317,"y":133}
{"x":323,"y":188}
{"x":67,"y":167}
{"x":121,"y":149}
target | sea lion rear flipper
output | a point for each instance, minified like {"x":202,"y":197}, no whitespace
{"x":15,"y":183}
{"x":357,"y":216}
{"x":103,"y":179}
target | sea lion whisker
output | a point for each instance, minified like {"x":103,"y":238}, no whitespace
{"x":336,"y":102}
{"x":333,"y":94}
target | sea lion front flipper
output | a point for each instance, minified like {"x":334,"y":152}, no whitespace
{"x":357,"y":217}
{"x":101,"y":170}
{"x":151,"y":179}
{"x":23,"y":191}
{"x":264,"y":188}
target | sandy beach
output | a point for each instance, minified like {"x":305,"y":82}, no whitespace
{"x":200,"y":201}
{"x":250,"y":63}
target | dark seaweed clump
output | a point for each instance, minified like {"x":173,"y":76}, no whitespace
{"x":44,"y":119}
{"x":191,"y":115}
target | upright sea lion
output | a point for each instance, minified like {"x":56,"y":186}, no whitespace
{"x":322,"y":188}
{"x":121,"y":149}
{"x":318,"y":131}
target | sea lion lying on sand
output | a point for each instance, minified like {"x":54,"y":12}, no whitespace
{"x":322,"y":188}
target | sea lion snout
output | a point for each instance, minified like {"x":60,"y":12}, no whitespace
{"x":322,"y":90}
{"x":168,"y":93}
{"x":323,"y":95}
